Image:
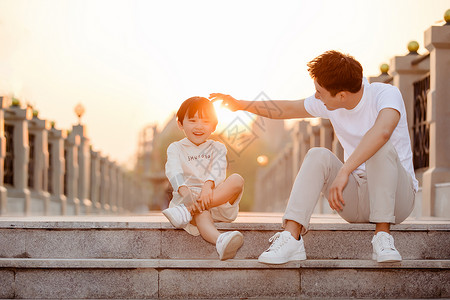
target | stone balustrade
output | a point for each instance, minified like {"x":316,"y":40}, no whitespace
{"x":45,"y":171}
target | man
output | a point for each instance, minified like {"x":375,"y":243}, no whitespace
{"x":376,"y":183}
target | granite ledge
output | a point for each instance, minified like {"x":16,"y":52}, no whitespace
{"x":245,"y":221}
{"x":27,"y":263}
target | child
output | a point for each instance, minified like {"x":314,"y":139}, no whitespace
{"x":196,"y":168}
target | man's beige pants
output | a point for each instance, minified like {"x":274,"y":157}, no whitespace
{"x":384,"y":193}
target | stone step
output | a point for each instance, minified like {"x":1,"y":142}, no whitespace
{"x":152,"y":237}
{"x":182,"y":279}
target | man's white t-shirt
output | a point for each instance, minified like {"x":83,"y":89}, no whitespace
{"x":351,"y":125}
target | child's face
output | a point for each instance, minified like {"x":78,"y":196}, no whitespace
{"x":196,"y":129}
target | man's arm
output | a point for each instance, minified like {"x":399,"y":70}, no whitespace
{"x":371,"y":142}
{"x":278,"y":109}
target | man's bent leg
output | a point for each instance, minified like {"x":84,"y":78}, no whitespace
{"x":316,"y":174}
{"x":391,"y":196}
{"x":391,"y":190}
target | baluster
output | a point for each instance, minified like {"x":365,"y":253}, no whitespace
{"x":120,"y":191}
{"x":56,"y":171}
{"x":326,"y":134}
{"x":113,"y":186}
{"x":71,"y":145}
{"x":16,"y":160}
{"x":3,"y":192}
{"x":84,"y":164}
{"x":94,"y":194}
{"x":38,"y":166}
{"x":104,"y":185}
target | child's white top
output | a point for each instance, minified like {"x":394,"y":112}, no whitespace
{"x":351,"y":125}
{"x":192,"y":165}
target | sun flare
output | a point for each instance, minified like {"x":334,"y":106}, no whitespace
{"x":227,"y":117}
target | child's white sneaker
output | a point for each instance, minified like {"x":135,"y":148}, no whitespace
{"x":228,"y":243}
{"x":178,"y":215}
{"x":284,"y":248}
{"x":384,"y":249}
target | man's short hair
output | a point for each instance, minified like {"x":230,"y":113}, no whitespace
{"x":336,"y":72}
{"x":202,"y":105}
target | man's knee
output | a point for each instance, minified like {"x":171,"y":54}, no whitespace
{"x":318,"y":154}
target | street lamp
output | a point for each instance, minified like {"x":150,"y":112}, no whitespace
{"x":79,"y":111}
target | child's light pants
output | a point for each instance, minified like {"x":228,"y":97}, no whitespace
{"x":384,"y":193}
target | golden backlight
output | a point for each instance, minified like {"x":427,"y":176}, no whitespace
{"x":227,"y":117}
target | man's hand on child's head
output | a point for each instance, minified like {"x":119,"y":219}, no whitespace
{"x":227,"y":101}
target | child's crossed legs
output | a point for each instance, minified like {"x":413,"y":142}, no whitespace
{"x":228,"y":191}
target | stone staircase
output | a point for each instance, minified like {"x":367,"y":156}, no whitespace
{"x":144,"y":257}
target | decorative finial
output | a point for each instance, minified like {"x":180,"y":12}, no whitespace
{"x":447,"y":17}
{"x":413,"y":46}
{"x":384,"y":68}
{"x":79,"y":111}
{"x":15,"y":102}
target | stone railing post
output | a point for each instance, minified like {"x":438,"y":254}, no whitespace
{"x":298,"y":145}
{"x":3,"y":193}
{"x":305,"y":140}
{"x":113,"y":186}
{"x":95,"y":182}
{"x":104,"y":185}
{"x":437,"y":41}
{"x":71,"y":176}
{"x":257,"y":201}
{"x":120,"y":190}
{"x":276,"y":172}
{"x":56,"y":171}
{"x":337,"y":148}
{"x":295,"y":147}
{"x":125,"y":193}
{"x":326,"y":134}
{"x":289,"y":170}
{"x":314,"y":135}
{"x":38,"y":166}
{"x":405,"y":71}
{"x":138,"y":193}
{"x":134,"y":194}
{"x":84,"y":162}
{"x":16,"y":160}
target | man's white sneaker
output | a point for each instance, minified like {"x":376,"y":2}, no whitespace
{"x":384,"y":249}
{"x":228,"y":243}
{"x":284,"y":248}
{"x":178,"y":215}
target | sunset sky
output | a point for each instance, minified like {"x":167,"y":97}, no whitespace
{"x":132,"y":63}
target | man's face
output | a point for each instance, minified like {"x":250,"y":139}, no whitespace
{"x":331,"y":102}
{"x":196,"y":129}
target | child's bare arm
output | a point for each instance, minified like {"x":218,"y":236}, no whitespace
{"x":189,"y":200}
{"x":206,"y":195}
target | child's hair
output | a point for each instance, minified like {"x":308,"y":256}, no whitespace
{"x":202,"y":105}
{"x":336,"y":72}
